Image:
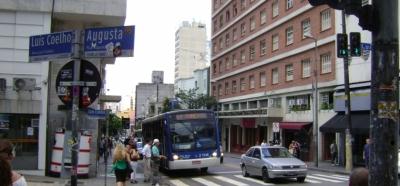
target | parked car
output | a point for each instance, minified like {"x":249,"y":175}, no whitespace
{"x":272,"y":162}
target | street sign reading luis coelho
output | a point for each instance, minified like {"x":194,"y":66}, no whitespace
{"x":109,"y":41}
{"x":51,"y":46}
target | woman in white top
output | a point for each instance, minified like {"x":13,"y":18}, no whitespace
{"x":6,"y":152}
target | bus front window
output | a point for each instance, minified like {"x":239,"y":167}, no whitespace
{"x":193,"y":135}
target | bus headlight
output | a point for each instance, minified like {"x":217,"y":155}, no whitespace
{"x":175,"y":157}
{"x":214,"y":154}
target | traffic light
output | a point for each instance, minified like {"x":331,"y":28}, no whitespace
{"x":342,"y":49}
{"x":355,"y":44}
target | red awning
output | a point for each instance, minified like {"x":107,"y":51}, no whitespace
{"x":293,"y":125}
{"x":248,"y":123}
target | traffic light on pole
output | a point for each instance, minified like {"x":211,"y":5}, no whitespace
{"x":355,"y":44}
{"x":342,"y":47}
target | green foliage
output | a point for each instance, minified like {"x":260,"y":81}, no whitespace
{"x":115,"y":124}
{"x":196,"y":101}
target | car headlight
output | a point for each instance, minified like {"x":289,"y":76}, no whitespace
{"x":273,"y":167}
{"x":214,"y":154}
{"x":175,"y":157}
{"x":303,"y":166}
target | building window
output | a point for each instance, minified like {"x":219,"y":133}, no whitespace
{"x":242,"y":84}
{"x":235,"y":10}
{"x":221,"y":43}
{"x":275,"y":76}
{"x":263,"y":17}
{"x":227,"y":16}
{"x":234,"y":34}
{"x":242,"y":57}
{"x":234,"y":86}
{"x":220,"y":93}
{"x":306,"y":26}
{"x":326,"y":64}
{"x":226,"y":88}
{"x":234,"y":60}
{"x":242,"y":4}
{"x":289,"y":72}
{"x":325,"y":19}
{"x":215,"y":25}
{"x":227,"y":63}
{"x":227,"y":40}
{"x":252,"y":82}
{"x":275,"y":42}
{"x":221,"y":21}
{"x":275,"y":103}
{"x":214,"y":48}
{"x":289,"y":4}
{"x":252,"y":23}
{"x":263,"y":79}
{"x":221,"y":67}
{"x":252,"y":51}
{"x":214,"y":68}
{"x":289,"y":36}
{"x":326,"y":101}
{"x":263,"y":47}
{"x":298,"y":103}
{"x":275,"y":8}
{"x":243,"y":29}
{"x":306,"y":68}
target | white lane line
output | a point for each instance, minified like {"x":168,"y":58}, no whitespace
{"x":205,"y":182}
{"x":231,"y":181}
{"x":340,"y":176}
{"x":312,"y":181}
{"x":178,"y":183}
{"x":227,"y":172}
{"x":324,"y":179}
{"x":333,"y":177}
{"x":253,"y":180}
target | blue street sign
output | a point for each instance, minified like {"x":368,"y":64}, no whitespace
{"x":51,"y":46}
{"x":109,"y":41}
{"x":96,"y":114}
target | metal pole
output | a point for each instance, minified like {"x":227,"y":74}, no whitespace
{"x":315,"y":96}
{"x":384,"y":129}
{"x":75,"y":109}
{"x":348,"y":142}
{"x":106,"y":149}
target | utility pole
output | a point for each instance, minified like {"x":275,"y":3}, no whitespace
{"x":384,"y":129}
{"x":348,"y":143}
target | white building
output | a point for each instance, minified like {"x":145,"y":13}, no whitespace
{"x":190,"y":50}
{"x":29,"y":112}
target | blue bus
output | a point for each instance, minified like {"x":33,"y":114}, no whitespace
{"x":189,"y":138}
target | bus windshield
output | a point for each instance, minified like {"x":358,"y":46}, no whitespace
{"x":193,"y":135}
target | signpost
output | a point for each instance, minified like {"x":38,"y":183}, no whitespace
{"x":98,"y":43}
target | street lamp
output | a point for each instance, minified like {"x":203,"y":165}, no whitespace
{"x":315,"y":96}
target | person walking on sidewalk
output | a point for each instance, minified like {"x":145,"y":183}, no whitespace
{"x":146,"y":152}
{"x":155,"y":162}
{"x":366,"y":152}
{"x":120,"y":164}
{"x":333,"y":149}
{"x":133,"y":156}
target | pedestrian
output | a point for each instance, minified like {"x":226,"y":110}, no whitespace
{"x":133,"y":157}
{"x":264,"y":143}
{"x":155,"y":162}
{"x":146,"y":152}
{"x":5,"y":172}
{"x":6,"y":153}
{"x":366,"y":152}
{"x":221,"y":159}
{"x":333,"y":149}
{"x":120,"y":164}
{"x":291,"y":147}
{"x":359,"y":177}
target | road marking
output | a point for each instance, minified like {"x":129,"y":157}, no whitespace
{"x":340,"y":176}
{"x":205,"y":182}
{"x":253,"y":180}
{"x":324,"y":179}
{"x":231,"y":181}
{"x":178,"y":183}
{"x":227,"y":172}
{"x":311,"y":181}
{"x":326,"y":176}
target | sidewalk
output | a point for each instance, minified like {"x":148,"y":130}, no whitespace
{"x":323,"y":166}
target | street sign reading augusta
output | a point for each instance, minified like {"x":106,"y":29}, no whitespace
{"x":109,"y":42}
{"x":51,"y":46}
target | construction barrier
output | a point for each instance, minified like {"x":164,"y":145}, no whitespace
{"x":84,"y":154}
{"x":57,"y":153}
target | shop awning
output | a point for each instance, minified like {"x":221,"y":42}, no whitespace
{"x":293,"y":125}
{"x":360,"y":122}
{"x":248,"y":123}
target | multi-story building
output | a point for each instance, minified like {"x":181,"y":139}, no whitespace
{"x":29,"y":113}
{"x":199,"y":82}
{"x":264,"y":55}
{"x":190,"y":51}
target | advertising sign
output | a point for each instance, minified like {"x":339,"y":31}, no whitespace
{"x":51,"y":46}
{"x":109,"y":42}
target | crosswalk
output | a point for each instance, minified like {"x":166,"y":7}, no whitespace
{"x":239,"y":180}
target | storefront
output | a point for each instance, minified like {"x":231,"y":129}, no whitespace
{"x":22,"y":131}
{"x":300,"y":132}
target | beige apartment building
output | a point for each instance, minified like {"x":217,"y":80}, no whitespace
{"x":263,"y":58}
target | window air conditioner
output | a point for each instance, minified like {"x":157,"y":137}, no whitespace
{"x":24,"y":84}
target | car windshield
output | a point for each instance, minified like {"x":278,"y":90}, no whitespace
{"x":275,"y":153}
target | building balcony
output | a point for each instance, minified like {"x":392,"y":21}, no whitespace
{"x":259,"y":112}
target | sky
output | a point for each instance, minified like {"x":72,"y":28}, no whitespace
{"x":156,"y":22}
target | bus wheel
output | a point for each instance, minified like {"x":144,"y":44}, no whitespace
{"x":204,"y":170}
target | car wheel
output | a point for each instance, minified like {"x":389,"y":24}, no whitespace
{"x":265,"y":175}
{"x":301,"y":179}
{"x":244,"y":171}
{"x":204,"y":170}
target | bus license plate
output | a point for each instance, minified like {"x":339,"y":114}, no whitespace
{"x":196,"y":162}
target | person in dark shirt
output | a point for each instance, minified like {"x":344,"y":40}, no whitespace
{"x":366,"y":152}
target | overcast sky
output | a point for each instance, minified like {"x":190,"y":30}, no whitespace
{"x":156,"y":22}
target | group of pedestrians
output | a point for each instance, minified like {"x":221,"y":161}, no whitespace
{"x":125,"y":162}
{"x":294,"y":148}
{"x":8,"y":177}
